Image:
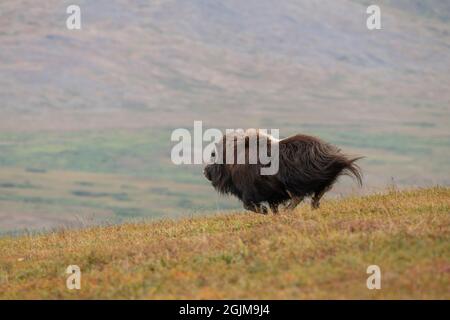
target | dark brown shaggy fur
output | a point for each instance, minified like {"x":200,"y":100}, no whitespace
{"x":308,"y":166}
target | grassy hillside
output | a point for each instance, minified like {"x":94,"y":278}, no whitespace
{"x":304,"y":254}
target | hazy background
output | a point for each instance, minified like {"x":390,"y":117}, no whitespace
{"x":86,"y":116}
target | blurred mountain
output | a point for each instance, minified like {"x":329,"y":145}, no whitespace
{"x":145,"y":60}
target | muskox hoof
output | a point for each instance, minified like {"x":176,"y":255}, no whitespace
{"x":256,"y":208}
{"x":315,"y":205}
{"x":263,"y":210}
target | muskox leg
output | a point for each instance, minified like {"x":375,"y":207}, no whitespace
{"x":258,"y":208}
{"x":250,"y":206}
{"x":315,"y":204}
{"x":295,"y":200}
{"x":262,"y":209}
{"x":273,"y":207}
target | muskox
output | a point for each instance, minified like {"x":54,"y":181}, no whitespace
{"x":307,"y":166}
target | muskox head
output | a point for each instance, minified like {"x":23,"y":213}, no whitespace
{"x":235,"y":161}
{"x":219,"y":170}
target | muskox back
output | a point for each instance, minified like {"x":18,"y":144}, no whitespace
{"x":309,"y":165}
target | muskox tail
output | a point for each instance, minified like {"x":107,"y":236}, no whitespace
{"x":350,"y":168}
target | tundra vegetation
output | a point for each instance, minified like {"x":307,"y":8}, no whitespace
{"x":292,"y":255}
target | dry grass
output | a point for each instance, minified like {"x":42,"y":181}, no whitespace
{"x":301,"y":255}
